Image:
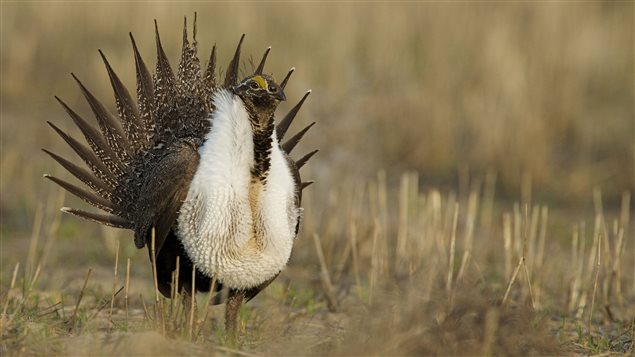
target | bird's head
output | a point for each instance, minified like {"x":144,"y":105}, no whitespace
{"x":260,"y":93}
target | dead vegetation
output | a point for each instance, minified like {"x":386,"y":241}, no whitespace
{"x":387,"y":272}
{"x":502,"y":224}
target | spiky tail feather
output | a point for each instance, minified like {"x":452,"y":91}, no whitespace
{"x":168,"y":107}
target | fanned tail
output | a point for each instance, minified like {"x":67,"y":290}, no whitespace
{"x":304,"y":159}
{"x":109,"y":125}
{"x":168,"y":107}
{"x":105,"y":219}
{"x":127,"y":110}
{"x":145,"y":94}
{"x":261,"y":66}
{"x":231,"y":77}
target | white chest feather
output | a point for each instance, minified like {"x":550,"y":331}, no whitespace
{"x":238,"y":231}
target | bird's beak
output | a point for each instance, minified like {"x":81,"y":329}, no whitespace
{"x":280,"y":96}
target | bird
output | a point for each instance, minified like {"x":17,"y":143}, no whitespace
{"x":197,"y":168}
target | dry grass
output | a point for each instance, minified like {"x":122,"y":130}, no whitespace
{"x":508,"y":234}
{"x":376,"y":283}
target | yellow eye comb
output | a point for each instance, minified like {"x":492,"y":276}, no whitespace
{"x":261,"y":81}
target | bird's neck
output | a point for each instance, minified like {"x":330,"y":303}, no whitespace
{"x":239,"y":143}
{"x":263,"y":138}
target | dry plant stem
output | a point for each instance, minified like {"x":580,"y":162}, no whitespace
{"x":50,"y":309}
{"x":576,"y":273}
{"x":441,"y":222}
{"x":581,"y":300}
{"x":531,"y":293}
{"x":624,"y":223}
{"x":79,"y":300}
{"x":487,"y":209}
{"x":3,"y":318}
{"x":402,"y":228}
{"x":114,"y":280}
{"x":35,"y":237}
{"x":353,"y":238}
{"x":625,"y":210}
{"x":36,"y":275}
{"x":511,"y":282}
{"x":53,"y":228}
{"x":25,"y":295}
{"x":544,"y":217}
{"x":606,"y":260}
{"x":103,"y":306}
{"x":177,"y":293}
{"x":595,"y":283}
{"x":192,"y":303}
{"x":146,"y":314}
{"x":344,"y":258}
{"x":14,"y":277}
{"x":517,"y":238}
{"x":596,"y":235}
{"x":127,"y":286}
{"x":507,"y":239}
{"x":597,"y":201}
{"x":414,"y":194}
{"x":154,"y":267}
{"x":616,"y":271}
{"x":472,"y":207}
{"x":455,"y":220}
{"x":329,"y":290}
{"x":171,"y":311}
{"x":526,"y":237}
{"x":525,"y":188}
{"x":374,"y":261}
{"x":177,"y":273}
{"x":382,"y":196}
{"x":172,"y":291}
{"x":208,"y":301}
{"x":532,"y":237}
{"x":157,"y":301}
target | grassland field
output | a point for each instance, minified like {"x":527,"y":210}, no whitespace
{"x":473,"y":189}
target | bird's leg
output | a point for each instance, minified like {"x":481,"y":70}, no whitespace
{"x":232,"y":307}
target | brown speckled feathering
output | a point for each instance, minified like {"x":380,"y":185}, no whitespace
{"x":140,"y":162}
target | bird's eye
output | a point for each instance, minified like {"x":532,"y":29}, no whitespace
{"x":273,"y":89}
{"x":254,"y":85}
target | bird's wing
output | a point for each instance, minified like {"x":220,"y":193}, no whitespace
{"x":251,"y":293}
{"x":164,"y":189}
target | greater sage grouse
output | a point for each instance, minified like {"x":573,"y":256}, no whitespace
{"x":196,"y":169}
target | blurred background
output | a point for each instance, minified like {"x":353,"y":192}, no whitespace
{"x":528,"y":102}
{"x":534,"y":93}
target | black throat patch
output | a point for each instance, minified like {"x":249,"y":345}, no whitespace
{"x":262,"y":126}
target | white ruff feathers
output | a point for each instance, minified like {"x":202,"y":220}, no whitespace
{"x":216,"y":222}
